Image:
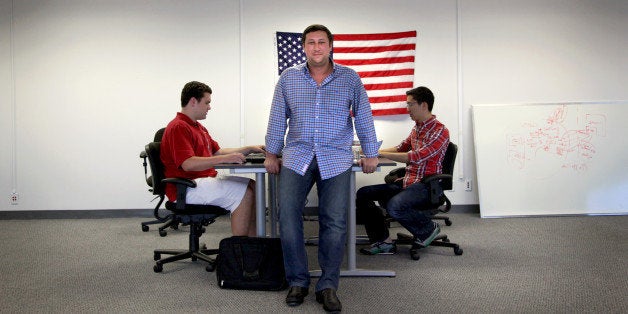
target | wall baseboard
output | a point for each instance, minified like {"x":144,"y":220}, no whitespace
{"x":141,"y":213}
{"x":76,"y":214}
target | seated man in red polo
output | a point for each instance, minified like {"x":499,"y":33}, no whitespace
{"x":188,"y":151}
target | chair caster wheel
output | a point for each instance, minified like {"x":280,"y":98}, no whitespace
{"x":145,"y":228}
{"x":414,"y":255}
{"x":210,"y":268}
{"x":457,"y":250}
{"x":156,"y":256}
{"x":446,"y":240}
{"x":158,"y":268}
{"x":163,"y":233}
{"x":448,"y":222}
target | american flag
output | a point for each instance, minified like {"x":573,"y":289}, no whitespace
{"x":385,"y":63}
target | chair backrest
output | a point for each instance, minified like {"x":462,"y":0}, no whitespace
{"x":149,"y":179}
{"x":448,"y":164}
{"x":159,"y":134}
{"x":156,"y":168}
{"x":450,"y":158}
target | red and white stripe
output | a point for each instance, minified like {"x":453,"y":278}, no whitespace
{"x":385,"y":63}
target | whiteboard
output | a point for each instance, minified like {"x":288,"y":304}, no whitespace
{"x":551,"y":159}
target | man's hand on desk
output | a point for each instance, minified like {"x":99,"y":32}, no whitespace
{"x":272,"y":163}
{"x":254,"y":149}
{"x":369,"y":165}
{"x":233,"y":158}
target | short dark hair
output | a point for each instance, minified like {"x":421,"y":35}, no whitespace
{"x":422,"y":94}
{"x":316,"y":28}
{"x":194,"y":89}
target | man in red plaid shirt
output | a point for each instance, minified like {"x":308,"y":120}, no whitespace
{"x":422,"y":152}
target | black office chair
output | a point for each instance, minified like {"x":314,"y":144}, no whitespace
{"x":439,"y":203}
{"x":196,"y":216}
{"x":165,"y":220}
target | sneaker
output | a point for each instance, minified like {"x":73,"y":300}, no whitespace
{"x":429,"y":238}
{"x":380,"y":248}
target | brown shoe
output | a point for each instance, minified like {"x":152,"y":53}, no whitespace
{"x":329,"y":299}
{"x":295,"y":295}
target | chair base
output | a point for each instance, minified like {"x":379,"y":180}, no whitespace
{"x":167,"y":222}
{"x":177,"y":255}
{"x":196,"y":250}
{"x":440,"y":240}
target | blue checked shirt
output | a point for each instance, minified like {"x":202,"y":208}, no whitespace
{"x":318,"y":120}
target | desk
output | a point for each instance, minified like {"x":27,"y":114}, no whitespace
{"x":260,"y":205}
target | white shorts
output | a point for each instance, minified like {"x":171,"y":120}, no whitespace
{"x":224,"y":191}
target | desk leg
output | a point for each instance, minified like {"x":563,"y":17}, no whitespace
{"x":351,"y":225}
{"x":272,"y":201}
{"x":352,"y":270}
{"x":260,"y":204}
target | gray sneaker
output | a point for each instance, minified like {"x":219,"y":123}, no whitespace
{"x":380,"y":248}
{"x":426,"y":242}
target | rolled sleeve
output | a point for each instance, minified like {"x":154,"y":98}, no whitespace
{"x":277,"y":122}
{"x":363,"y":119}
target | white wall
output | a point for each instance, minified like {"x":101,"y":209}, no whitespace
{"x":94,"y":80}
{"x":6,"y":106}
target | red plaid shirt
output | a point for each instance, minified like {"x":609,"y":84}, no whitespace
{"x":426,"y":146}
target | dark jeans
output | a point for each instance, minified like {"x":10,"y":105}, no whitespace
{"x":401,"y":205}
{"x":333,"y":201}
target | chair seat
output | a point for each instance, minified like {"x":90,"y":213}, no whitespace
{"x":194,"y":209}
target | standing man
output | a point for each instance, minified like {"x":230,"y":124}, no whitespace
{"x":313,"y":101}
{"x":188,"y":151}
{"x":422,"y":152}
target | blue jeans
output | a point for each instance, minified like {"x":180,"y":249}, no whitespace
{"x":333,"y":201}
{"x":401,"y":205}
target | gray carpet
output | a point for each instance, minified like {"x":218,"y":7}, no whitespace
{"x":520,"y":265}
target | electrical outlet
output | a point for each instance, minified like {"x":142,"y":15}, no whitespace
{"x":14,"y":198}
{"x":467,"y":185}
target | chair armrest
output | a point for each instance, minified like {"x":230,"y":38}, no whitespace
{"x":395,"y":174}
{"x":182,"y":181}
{"x":445,"y":180}
{"x":437,"y":183}
{"x":182,"y":185}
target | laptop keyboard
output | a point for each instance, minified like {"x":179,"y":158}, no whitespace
{"x":255,"y":158}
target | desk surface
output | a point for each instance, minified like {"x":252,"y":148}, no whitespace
{"x":249,"y":167}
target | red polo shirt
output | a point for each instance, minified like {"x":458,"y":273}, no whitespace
{"x":183,"y":139}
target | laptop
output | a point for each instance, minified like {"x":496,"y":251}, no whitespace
{"x":255,"y":158}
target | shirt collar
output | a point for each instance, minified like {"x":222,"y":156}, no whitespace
{"x":306,"y":71}
{"x":187,"y":119}
{"x":426,"y":122}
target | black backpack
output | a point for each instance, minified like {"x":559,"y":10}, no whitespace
{"x":250,"y":263}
